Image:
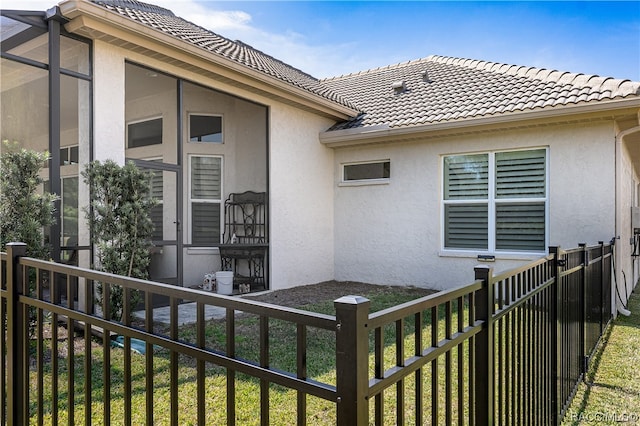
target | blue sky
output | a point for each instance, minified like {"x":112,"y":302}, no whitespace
{"x":333,"y":38}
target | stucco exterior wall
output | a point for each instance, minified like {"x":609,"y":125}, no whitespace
{"x":108,"y":103}
{"x":301,"y":209}
{"x":625,"y":262}
{"x":391,"y":234}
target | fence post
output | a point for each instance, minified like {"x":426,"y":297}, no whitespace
{"x":555,"y":352}
{"x":603,"y":287}
{"x":16,"y":369}
{"x":484,"y":348}
{"x":352,"y":360}
{"x":583,"y":307}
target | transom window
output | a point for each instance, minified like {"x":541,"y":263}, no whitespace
{"x":205,"y":199}
{"x":144,"y":133}
{"x":205,"y":128}
{"x":374,"y":170}
{"x":496,"y":201}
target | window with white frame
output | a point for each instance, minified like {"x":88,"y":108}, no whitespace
{"x":495,"y":201}
{"x":366,"y":171}
{"x":205,"y":128}
{"x":205,"y":199}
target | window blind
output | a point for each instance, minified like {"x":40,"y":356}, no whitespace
{"x":205,"y":223}
{"x":520,"y":174}
{"x":156,"y":213}
{"x":466,"y":226}
{"x":510,"y":185}
{"x":466,"y":177}
{"x":206,"y":194}
{"x":520,"y":226}
{"x":206,"y":178}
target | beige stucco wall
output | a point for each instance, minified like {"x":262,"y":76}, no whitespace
{"x":391,"y":234}
{"x":108,"y":103}
{"x":302,"y":200}
{"x":626,"y":272}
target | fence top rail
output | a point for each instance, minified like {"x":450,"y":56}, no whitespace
{"x":587,"y":248}
{"x":298,"y":316}
{"x":515,"y":271}
{"x":386,"y":316}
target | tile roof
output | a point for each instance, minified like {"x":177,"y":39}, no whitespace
{"x":165,"y":21}
{"x":456,"y":89}
{"x":452,"y":89}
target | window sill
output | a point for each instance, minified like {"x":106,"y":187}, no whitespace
{"x":497,"y":256}
{"x":202,"y":250}
{"x":365,"y":182}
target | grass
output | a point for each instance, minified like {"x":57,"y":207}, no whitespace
{"x":320,"y":364}
{"x":610,"y":393}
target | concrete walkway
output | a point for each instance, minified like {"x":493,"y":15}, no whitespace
{"x":186,"y":313}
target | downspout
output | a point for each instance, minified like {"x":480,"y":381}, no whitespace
{"x":618,"y":213}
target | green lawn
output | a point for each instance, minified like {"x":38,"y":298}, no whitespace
{"x":610,"y":395}
{"x":320,"y":364}
{"x":611,"y":392}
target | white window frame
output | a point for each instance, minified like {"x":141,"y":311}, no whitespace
{"x":491,"y":202}
{"x":205,"y":115}
{"x":366,"y":181}
{"x":220,"y":201}
{"x":67,"y":155}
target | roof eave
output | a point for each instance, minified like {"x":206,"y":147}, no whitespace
{"x":88,"y":19}
{"x":385,"y":133}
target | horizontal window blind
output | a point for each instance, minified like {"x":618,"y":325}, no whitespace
{"x":156,"y":214}
{"x":206,"y":178}
{"x":520,"y":226}
{"x":206,"y":194}
{"x":514,"y":187}
{"x":466,"y":177}
{"x":157,"y":184}
{"x":466,"y":226}
{"x":520,"y":174}
{"x":205,"y":223}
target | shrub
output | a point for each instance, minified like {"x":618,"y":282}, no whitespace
{"x":23,"y":211}
{"x":120,"y":224}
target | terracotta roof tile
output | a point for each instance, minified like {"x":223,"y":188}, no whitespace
{"x":463,"y":88}
{"x":164,"y":20}
{"x":455,"y":89}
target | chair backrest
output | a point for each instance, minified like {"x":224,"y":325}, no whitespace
{"x":245,"y":216}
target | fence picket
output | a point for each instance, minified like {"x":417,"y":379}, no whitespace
{"x":523,"y":340}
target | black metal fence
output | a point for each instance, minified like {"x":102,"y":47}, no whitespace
{"x":506,"y":349}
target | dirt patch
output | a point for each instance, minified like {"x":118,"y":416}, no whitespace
{"x":331,"y":290}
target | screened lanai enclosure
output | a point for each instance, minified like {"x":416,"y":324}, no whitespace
{"x":200,"y":145}
{"x":46,"y":81}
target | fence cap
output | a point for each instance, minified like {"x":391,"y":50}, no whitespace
{"x":351,"y":300}
{"x":16,"y":244}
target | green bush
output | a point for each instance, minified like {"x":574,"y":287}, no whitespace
{"x":23,"y":211}
{"x":120,"y":224}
